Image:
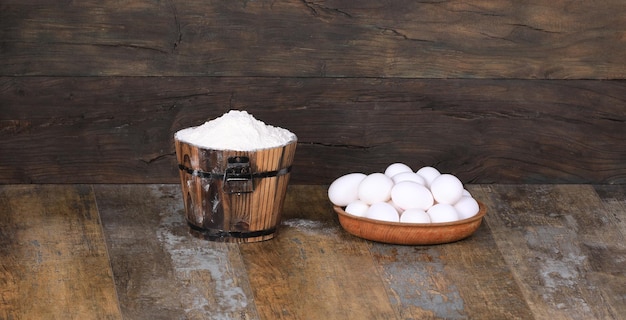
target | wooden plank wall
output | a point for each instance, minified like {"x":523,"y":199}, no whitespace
{"x":494,"y":91}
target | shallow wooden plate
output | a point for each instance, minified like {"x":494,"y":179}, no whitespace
{"x":410,"y":233}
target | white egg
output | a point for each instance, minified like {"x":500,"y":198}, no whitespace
{"x":395,"y":206}
{"x":396,"y":168}
{"x":344,"y":189}
{"x":447,"y":189}
{"x":466,"y":207}
{"x":429,"y":174}
{"x":411,"y":195}
{"x":442,"y":213}
{"x":382,"y":211}
{"x":415,"y":216}
{"x":376,"y":187}
{"x":408,"y":176}
{"x":466,"y":193}
{"x":357,"y":208}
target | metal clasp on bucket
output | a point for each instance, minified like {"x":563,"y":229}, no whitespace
{"x":238,"y":176}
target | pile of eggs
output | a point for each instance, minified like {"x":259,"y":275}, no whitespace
{"x":402,"y":195}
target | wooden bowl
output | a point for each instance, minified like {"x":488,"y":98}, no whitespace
{"x":410,"y":233}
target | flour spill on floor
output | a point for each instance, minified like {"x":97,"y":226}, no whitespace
{"x":197,"y":263}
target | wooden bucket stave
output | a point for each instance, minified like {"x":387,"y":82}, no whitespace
{"x":217,"y":215}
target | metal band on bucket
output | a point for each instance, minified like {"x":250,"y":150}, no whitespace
{"x":219,"y":234}
{"x":238,"y":177}
{"x":208,"y":175}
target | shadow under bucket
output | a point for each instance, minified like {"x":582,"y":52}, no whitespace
{"x":234,"y":196}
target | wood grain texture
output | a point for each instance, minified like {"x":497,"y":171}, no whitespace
{"x":496,"y":91}
{"x":607,"y":262}
{"x":563,"y":243}
{"x":468,"y":279}
{"x":120,"y":130}
{"x":543,"y":252}
{"x":312,"y":269}
{"x":232,"y":207}
{"x":445,"y":39}
{"x":161,"y":271}
{"x":53,"y":260}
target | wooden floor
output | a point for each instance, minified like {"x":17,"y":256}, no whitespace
{"x":124,"y":252}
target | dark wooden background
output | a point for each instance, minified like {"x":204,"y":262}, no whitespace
{"x":492,"y":91}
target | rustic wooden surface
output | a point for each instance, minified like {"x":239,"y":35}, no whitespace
{"x":497,"y":91}
{"x":53,"y":260}
{"x":442,"y":39}
{"x":112,"y":130}
{"x":113,"y":251}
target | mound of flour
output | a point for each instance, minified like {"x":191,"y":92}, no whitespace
{"x":235,"y":130}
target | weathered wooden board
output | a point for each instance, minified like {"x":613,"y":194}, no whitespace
{"x":120,"y":130}
{"x":543,"y":252}
{"x":607,"y":264}
{"x":564,"y":245}
{"x":92,"y":92}
{"x":313,"y":269}
{"x":443,"y":39}
{"x":469,"y":279}
{"x":53,"y":260}
{"x":161,"y":271}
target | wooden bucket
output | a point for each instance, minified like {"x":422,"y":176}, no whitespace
{"x":234,"y":196}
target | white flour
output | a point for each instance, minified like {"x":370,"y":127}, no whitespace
{"x":235,"y":130}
